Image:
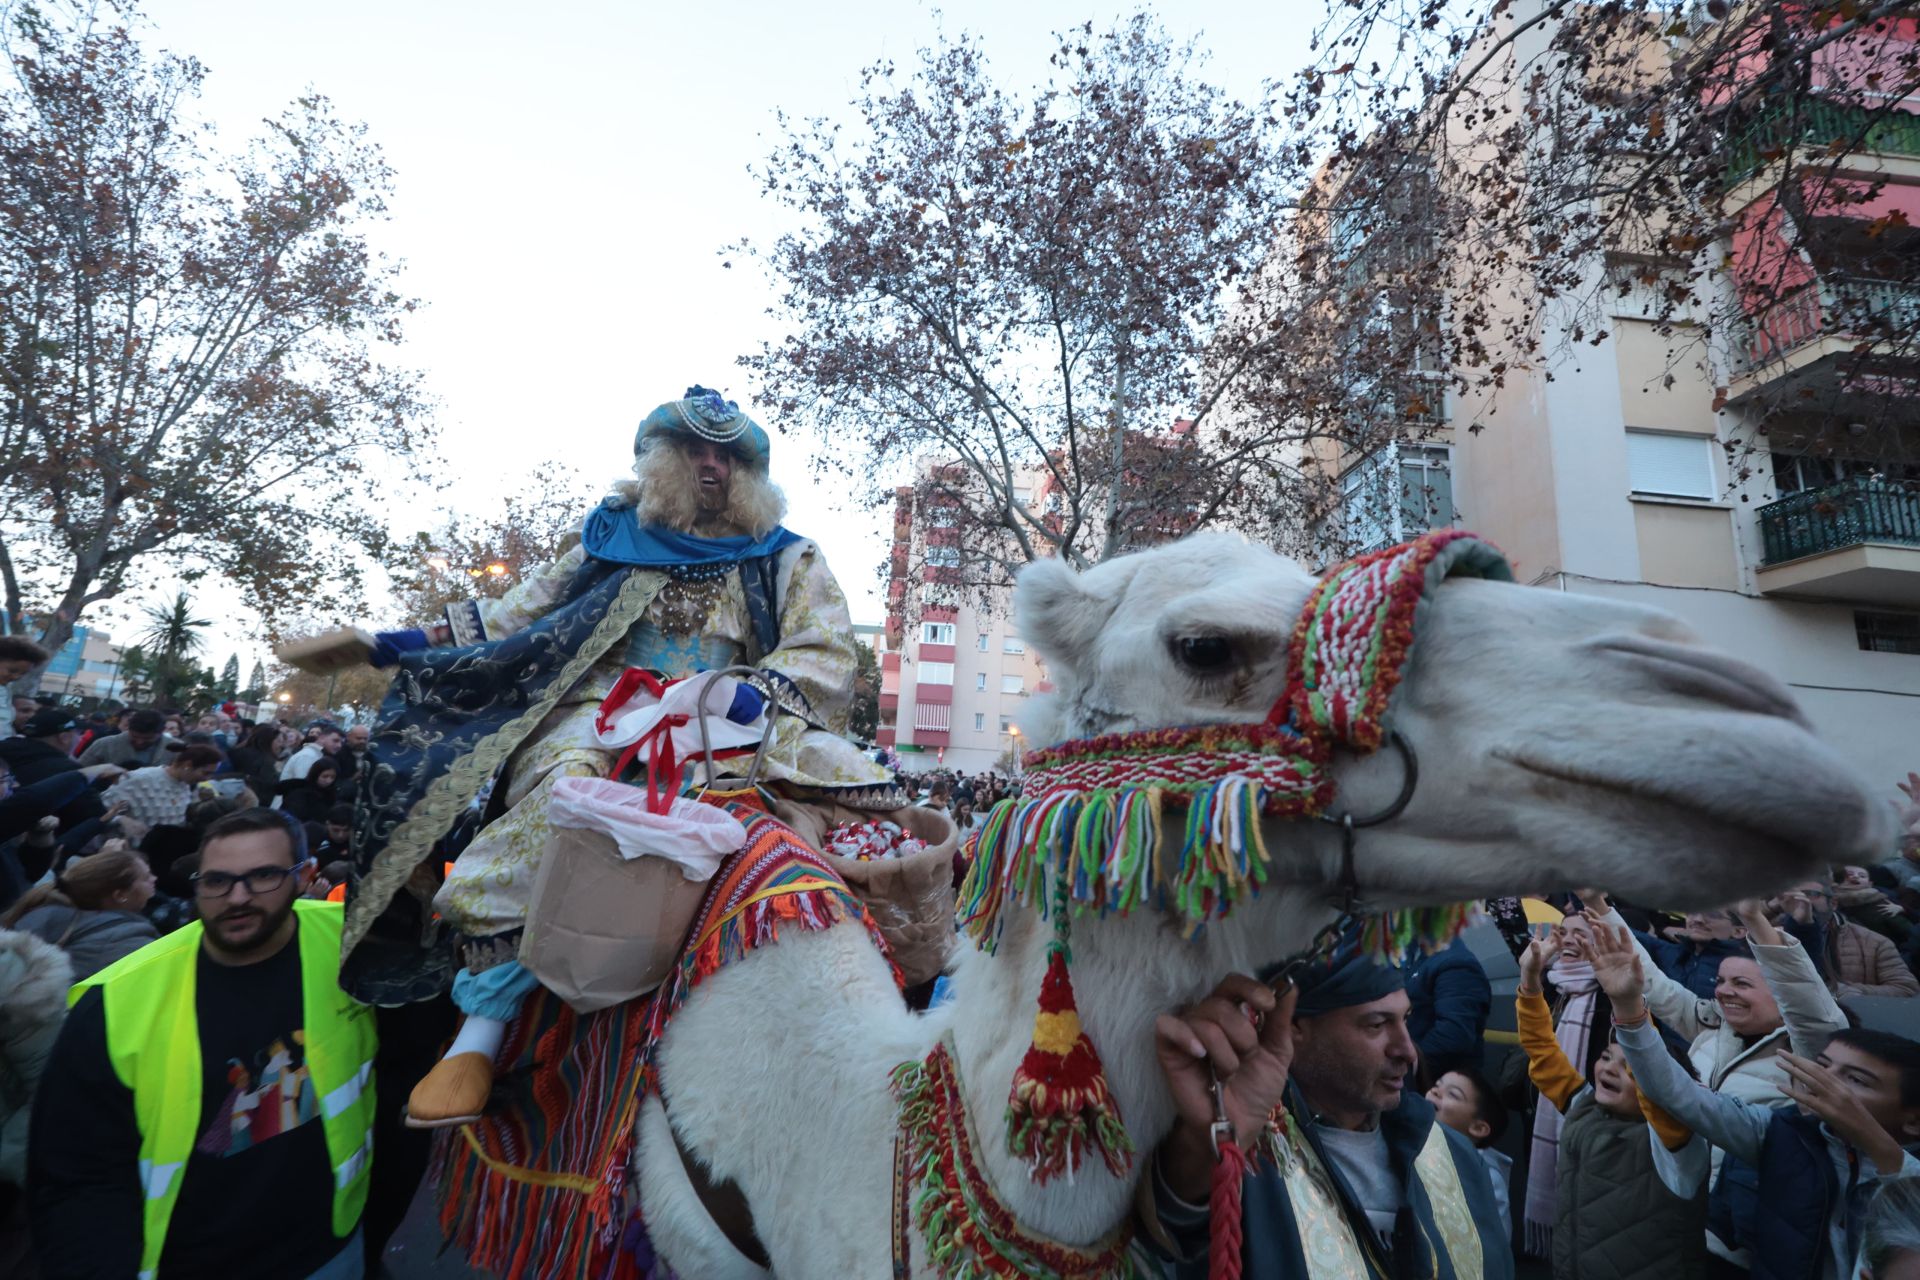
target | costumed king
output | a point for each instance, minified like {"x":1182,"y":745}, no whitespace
{"x":1352,"y":1176}
{"x":687,"y":568}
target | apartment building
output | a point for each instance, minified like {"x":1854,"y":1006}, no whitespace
{"x":86,"y":667}
{"x":955,"y":677}
{"x":1761,"y":484}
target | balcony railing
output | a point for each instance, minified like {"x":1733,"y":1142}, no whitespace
{"x":1839,"y":516}
{"x":1818,"y":123}
{"x":1850,"y":306}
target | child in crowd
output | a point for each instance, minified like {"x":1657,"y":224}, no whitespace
{"x":1463,"y":1100}
{"x":1822,"y":1161}
{"x":1614,"y":1216}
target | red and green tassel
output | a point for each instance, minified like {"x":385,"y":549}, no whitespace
{"x":1061,"y":1104}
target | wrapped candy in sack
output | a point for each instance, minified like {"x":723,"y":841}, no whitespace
{"x":870,"y":841}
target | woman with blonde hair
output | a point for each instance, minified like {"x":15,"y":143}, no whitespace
{"x":91,"y":910}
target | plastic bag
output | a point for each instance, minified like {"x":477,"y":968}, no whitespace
{"x":695,"y":836}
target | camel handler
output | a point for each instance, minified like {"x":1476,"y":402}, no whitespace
{"x":1354,"y":1176}
{"x":685,"y":568}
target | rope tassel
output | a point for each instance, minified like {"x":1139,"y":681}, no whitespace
{"x":1061,"y":1105}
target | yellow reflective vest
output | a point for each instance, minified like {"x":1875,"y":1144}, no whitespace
{"x":153,"y":1040}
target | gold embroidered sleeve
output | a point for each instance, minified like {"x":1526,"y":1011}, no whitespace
{"x":532,"y":598}
{"x":816,"y":640}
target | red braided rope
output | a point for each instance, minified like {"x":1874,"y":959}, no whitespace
{"x":1223,"y":1220}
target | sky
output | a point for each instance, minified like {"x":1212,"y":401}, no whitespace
{"x":568,"y":175}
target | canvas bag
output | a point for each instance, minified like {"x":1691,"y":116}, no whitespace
{"x":910,"y":899}
{"x":618,"y":889}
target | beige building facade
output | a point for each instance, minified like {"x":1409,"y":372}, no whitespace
{"x":1756,"y":476}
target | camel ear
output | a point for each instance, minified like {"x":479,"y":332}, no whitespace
{"x":1058,"y":613}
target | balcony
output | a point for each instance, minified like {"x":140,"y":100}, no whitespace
{"x":1856,"y":540}
{"x":1816,"y":124}
{"x":1827,"y":335}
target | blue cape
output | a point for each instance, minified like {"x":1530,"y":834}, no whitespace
{"x":612,"y":534}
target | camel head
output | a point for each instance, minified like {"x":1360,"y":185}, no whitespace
{"x":1562,"y":740}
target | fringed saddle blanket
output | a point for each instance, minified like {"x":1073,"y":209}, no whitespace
{"x":538,"y":1188}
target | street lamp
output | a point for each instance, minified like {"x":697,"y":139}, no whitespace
{"x":283,"y":697}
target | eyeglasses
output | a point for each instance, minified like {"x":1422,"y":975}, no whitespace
{"x":259,"y":881}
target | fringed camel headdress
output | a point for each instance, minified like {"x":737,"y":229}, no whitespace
{"x":1170,"y":820}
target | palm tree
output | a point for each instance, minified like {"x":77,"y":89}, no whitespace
{"x":171,"y":640}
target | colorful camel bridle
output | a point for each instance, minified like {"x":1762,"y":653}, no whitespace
{"x":1091,"y":827}
{"x":1098,"y":831}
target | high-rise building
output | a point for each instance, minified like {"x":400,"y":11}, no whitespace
{"x":955,"y":676}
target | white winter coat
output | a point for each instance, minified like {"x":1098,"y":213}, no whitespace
{"x":34,"y":977}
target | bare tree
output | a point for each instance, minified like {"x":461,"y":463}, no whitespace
{"x":1021,"y":289}
{"x":191,"y":344}
{"x":1023,"y":294}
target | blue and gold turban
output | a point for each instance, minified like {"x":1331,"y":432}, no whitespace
{"x":706,"y":415}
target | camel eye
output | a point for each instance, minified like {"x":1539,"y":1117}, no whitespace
{"x":1204,"y":655}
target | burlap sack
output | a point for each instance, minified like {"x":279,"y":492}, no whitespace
{"x":911,"y":898}
{"x":601,"y":928}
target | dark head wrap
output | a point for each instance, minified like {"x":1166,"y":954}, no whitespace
{"x":1347,"y":978}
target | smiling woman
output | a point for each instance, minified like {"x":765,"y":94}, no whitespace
{"x":1767,"y":1002}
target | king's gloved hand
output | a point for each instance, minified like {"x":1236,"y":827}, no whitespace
{"x":389,"y":645}
{"x":748,"y":703}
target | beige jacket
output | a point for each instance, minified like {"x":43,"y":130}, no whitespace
{"x":1865,"y":963}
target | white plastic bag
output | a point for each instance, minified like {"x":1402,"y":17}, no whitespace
{"x":695,"y":836}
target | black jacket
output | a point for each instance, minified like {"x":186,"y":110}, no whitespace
{"x":32,"y":760}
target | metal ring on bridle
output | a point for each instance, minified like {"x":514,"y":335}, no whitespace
{"x":1348,"y":882}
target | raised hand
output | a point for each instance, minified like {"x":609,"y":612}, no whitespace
{"x":1616,"y":967}
{"x":1820,"y":1091}
{"x":1758,"y":924}
{"x":1540,"y":954}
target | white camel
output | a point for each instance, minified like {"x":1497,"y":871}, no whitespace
{"x":1563,"y":740}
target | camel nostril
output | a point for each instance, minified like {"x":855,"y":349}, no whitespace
{"x":1693,"y":672}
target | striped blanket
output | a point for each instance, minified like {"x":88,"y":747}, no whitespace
{"x":538,"y":1188}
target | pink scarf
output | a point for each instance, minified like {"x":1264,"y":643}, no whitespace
{"x":1575,"y":981}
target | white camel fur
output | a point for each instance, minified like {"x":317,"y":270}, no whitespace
{"x":1563,"y":740}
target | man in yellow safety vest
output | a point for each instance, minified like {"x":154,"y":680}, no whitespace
{"x":208,"y":1108}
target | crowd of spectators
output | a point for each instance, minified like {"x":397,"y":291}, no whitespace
{"x":103,"y":819}
{"x":1710,"y":1093}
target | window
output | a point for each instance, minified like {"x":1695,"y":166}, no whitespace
{"x":1670,"y":466}
{"x":944,"y":557}
{"x":1426,"y":489}
{"x":1376,"y":512}
{"x":980,"y":681}
{"x":979,"y":722}
{"x":1006,"y":723}
{"x":943,"y":517}
{"x":983,"y":642}
{"x":936,"y":633}
{"x":1013,"y":684}
{"x":936,"y":673}
{"x":1887,"y":632}
{"x":1013,"y":644}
